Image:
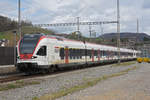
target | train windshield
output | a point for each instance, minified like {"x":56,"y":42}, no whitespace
{"x":28,"y":44}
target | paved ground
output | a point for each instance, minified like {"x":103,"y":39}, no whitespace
{"x":133,"y":86}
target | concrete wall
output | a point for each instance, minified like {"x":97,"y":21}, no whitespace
{"x":6,"y":55}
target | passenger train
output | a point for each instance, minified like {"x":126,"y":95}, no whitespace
{"x":39,"y":52}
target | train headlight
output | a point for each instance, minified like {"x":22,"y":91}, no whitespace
{"x":18,"y":57}
{"x":33,"y":57}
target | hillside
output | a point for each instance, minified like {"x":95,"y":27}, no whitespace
{"x":7,"y":24}
{"x":9,"y":35}
{"x":127,"y":39}
{"x":128,"y":35}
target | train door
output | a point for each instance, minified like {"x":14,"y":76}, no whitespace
{"x":42,"y":55}
{"x":98,"y":55}
{"x":66,"y":55}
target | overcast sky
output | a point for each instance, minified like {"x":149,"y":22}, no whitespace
{"x":57,"y":11}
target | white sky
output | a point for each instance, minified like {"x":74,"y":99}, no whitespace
{"x":57,"y":11}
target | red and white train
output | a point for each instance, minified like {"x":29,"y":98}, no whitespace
{"x":39,"y":52}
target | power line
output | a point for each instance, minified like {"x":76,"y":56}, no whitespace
{"x":78,"y":23}
{"x":75,"y":24}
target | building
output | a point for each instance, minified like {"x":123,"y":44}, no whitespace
{"x":145,"y":50}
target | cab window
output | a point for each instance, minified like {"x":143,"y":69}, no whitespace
{"x":42,"y":51}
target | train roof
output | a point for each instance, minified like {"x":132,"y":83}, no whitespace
{"x":89,"y":45}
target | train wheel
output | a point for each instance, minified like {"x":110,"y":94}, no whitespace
{"x":52,"y":69}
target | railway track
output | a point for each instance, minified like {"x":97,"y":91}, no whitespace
{"x":19,"y":76}
{"x":10,"y":78}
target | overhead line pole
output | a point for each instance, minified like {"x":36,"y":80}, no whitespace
{"x":90,"y":31}
{"x":137,"y":25}
{"x":118,"y":30}
{"x":78,"y":27}
{"x":135,"y":47}
{"x":19,"y":18}
{"x":102,"y":31}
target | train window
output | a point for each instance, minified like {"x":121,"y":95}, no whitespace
{"x":73,"y":53}
{"x":104,"y":53}
{"x":77,"y":53}
{"x":28,"y":43}
{"x":62,"y":54}
{"x":89,"y":53}
{"x":74,"y":57}
{"x":85,"y":52}
{"x":95,"y":53}
{"x":42,"y":51}
{"x":101,"y":53}
{"x":80,"y":53}
{"x":70,"y":57}
{"x":116,"y":53}
{"x":70,"y":53}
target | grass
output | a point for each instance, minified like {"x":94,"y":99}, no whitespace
{"x":124,"y":64}
{"x":35,"y":98}
{"x":87,"y":84}
{"x":17,"y":84}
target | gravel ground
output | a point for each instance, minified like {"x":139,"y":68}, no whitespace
{"x":53,"y":83}
{"x":132,"y":86}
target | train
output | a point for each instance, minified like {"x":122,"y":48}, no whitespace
{"x":45,"y":53}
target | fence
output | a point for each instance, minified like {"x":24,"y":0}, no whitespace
{"x":6,"y":55}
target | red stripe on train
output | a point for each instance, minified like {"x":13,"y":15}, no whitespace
{"x":66,"y":55}
{"x":25,"y":56}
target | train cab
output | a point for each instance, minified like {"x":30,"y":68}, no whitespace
{"x":32,"y":52}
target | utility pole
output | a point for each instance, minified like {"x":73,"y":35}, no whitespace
{"x":137,"y":25}
{"x":118,"y":30}
{"x":19,"y":18}
{"x":78,"y":27}
{"x":94,"y":34}
{"x":102,"y":31}
{"x":14,"y":32}
{"x":135,"y":47}
{"x":90,"y":31}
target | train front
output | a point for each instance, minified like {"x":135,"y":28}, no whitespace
{"x":30,"y":53}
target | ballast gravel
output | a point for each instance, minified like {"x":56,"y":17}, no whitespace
{"x":132,"y":86}
{"x":53,"y":83}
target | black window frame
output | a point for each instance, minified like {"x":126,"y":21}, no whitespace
{"x":42,"y":51}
